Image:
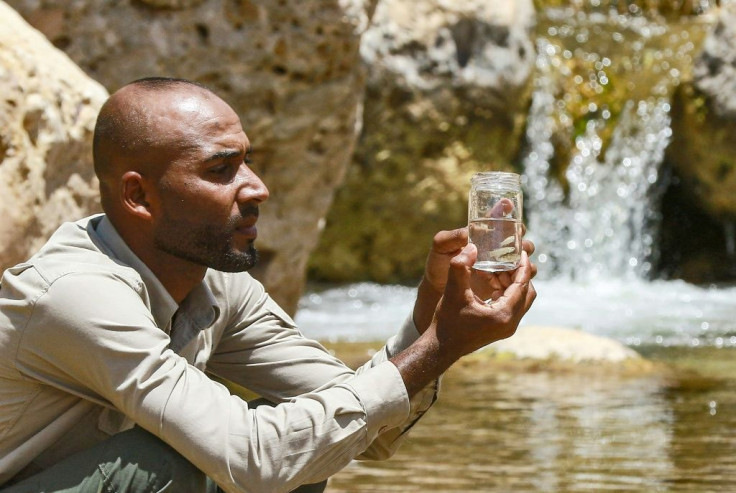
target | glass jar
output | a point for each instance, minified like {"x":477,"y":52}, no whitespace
{"x":495,"y":208}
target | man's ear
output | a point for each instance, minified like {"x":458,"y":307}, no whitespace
{"x":134,"y":195}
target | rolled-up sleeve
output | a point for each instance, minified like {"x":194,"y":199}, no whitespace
{"x":93,"y":336}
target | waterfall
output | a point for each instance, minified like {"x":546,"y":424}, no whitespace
{"x":602,"y":224}
{"x":597,"y":129}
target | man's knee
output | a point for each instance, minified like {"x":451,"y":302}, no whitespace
{"x":133,"y":461}
{"x":149,"y":458}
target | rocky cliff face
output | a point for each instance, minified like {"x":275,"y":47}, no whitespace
{"x":700,"y":205}
{"x":448,"y":85}
{"x":47,"y":113}
{"x":447,"y":92}
{"x":706,"y":157}
{"x":289,"y":68}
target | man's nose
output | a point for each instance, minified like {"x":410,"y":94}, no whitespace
{"x":251,"y":188}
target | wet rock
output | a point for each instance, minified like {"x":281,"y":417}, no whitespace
{"x":47,"y":112}
{"x":562,"y":344}
{"x":447,"y":91}
{"x":699,"y":208}
{"x":667,"y":8}
{"x":705,"y":118}
{"x":290,"y":69}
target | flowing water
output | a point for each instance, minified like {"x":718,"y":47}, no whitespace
{"x":501,"y":430}
{"x":603,"y":85}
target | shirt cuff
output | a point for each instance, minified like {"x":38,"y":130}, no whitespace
{"x":383,"y":394}
{"x":404,"y":338}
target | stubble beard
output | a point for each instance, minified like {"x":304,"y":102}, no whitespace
{"x":205,"y":245}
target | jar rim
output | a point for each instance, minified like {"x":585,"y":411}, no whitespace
{"x":497,"y":178}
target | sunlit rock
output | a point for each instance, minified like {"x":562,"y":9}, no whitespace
{"x":700,"y":208}
{"x":448,"y":87}
{"x":47,"y":113}
{"x":704,"y":151}
{"x":562,"y":344}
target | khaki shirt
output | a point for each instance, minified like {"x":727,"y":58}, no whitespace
{"x":91,"y":343}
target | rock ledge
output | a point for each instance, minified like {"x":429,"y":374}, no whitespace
{"x":563,"y":344}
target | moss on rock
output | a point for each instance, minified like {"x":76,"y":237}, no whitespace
{"x":409,"y":179}
{"x":703,"y":152}
{"x":669,"y":8}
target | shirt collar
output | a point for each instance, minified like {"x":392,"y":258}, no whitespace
{"x":199,"y":308}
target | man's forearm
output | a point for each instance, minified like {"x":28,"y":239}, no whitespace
{"x":462,"y":322}
{"x":422,"y":363}
{"x":426,"y":303}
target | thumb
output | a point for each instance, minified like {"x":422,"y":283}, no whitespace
{"x":458,"y":277}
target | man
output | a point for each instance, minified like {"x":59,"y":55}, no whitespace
{"x":107,"y":333}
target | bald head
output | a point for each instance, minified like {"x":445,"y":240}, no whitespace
{"x":128,"y":130}
{"x":172,"y":159}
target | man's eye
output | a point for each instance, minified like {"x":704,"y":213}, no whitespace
{"x":221,"y":169}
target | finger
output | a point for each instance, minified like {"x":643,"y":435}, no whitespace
{"x":528,"y":247}
{"x":496,"y":284}
{"x":516,"y":293}
{"x":501,"y":208}
{"x":495,"y":295}
{"x":485,"y":285}
{"x":531,"y":295}
{"x":446,"y":242}
{"x":458,"y":277}
{"x":504,"y":278}
{"x":523,"y":273}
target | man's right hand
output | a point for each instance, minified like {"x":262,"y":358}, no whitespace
{"x":445,"y":246}
{"x":463,"y":322}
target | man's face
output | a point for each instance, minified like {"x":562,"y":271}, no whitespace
{"x":207,"y":196}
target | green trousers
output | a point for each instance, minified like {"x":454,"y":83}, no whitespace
{"x":133,"y":461}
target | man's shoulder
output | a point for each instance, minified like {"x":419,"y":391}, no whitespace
{"x":233,"y":285}
{"x":73,"y":250}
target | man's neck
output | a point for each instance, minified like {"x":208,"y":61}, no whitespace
{"x":178,"y":276}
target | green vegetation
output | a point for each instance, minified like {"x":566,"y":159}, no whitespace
{"x":669,"y":8}
{"x":410,"y":179}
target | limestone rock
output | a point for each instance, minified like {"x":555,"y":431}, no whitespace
{"x":483,"y":46}
{"x":289,"y":68}
{"x":562,"y":344}
{"x":699,"y":207}
{"x":448,"y":85}
{"x":715,"y":67}
{"x":47,"y":112}
{"x":704,"y":119}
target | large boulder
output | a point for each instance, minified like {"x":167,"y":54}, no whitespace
{"x":447,"y":91}
{"x":706,"y":113}
{"x":699,"y":208}
{"x":47,"y":113}
{"x":289,"y":68}
{"x":563,"y":344}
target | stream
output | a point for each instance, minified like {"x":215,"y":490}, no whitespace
{"x":603,"y":81}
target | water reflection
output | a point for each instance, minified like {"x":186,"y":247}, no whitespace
{"x":581,"y":431}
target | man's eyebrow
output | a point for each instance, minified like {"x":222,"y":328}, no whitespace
{"x":226,"y":154}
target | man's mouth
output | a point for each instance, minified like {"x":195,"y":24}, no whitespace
{"x":247,"y":231}
{"x":247,"y":226}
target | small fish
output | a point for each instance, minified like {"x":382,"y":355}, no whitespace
{"x":500,"y":252}
{"x":508,"y":240}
